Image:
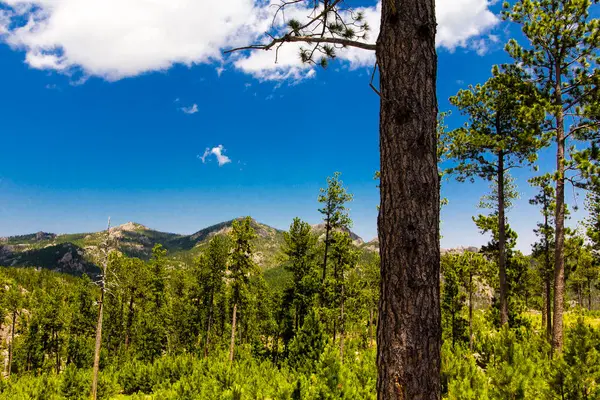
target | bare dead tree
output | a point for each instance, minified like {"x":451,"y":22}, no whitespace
{"x":102,"y":283}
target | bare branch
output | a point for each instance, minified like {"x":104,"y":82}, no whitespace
{"x":305,"y":39}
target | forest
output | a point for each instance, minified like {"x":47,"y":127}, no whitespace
{"x":513,"y":325}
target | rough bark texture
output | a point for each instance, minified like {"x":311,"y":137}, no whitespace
{"x":559,"y":249}
{"x":409,"y":329}
{"x":232,"y":346}
{"x":502,"y":243}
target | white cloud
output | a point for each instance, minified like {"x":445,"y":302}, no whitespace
{"x":114,"y":39}
{"x":222,"y":159}
{"x":193,"y":109}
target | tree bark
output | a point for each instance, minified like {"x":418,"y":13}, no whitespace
{"x":502,"y":240}
{"x":409,"y":329}
{"x":232,"y":346}
{"x":559,"y":248}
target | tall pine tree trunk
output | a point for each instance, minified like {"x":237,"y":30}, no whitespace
{"x":544,"y":304}
{"x":471,"y":312}
{"x":559,"y":248}
{"x":409,"y":329}
{"x":232,"y":346}
{"x":547,"y":278}
{"x":502,"y":238}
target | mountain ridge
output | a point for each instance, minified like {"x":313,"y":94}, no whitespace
{"x":79,"y":252}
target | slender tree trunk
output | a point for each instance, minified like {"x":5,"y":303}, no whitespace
{"x":232,"y":346}
{"x":589,"y":282}
{"x":98,"y":344}
{"x":208,"y":324}
{"x":502,"y":239}
{"x":471,"y":312}
{"x":99,"y":324}
{"x":371,"y":326}
{"x":409,"y":328}
{"x":12,"y":341}
{"x":559,"y":248}
{"x":275,"y":347}
{"x":548,"y":306}
{"x":129,"y":323}
{"x":544,"y":303}
{"x":57,"y":352}
{"x":342,"y":325}
{"x":327,"y":231}
{"x":547,"y":276}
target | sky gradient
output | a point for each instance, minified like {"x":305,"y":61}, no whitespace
{"x":180,"y":145}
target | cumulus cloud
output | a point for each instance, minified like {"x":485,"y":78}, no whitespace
{"x":218,"y":151}
{"x":114,"y":39}
{"x":193,"y":109}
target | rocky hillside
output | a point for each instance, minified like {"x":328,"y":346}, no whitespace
{"x":79,"y":253}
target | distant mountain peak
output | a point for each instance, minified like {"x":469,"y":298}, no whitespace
{"x":320,"y":229}
{"x":129,"y":227}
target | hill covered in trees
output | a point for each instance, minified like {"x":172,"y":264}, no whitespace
{"x":79,"y":253}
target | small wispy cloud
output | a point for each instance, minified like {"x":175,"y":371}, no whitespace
{"x":217,"y":151}
{"x":193,"y":109}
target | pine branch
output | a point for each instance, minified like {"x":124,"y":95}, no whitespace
{"x":305,"y":39}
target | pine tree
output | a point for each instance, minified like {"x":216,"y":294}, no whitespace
{"x":335,"y":214}
{"x":344,"y":259}
{"x":561,"y":51}
{"x":241,"y":269}
{"x":300,"y":249}
{"x":211,"y":277}
{"x":495,"y":139}
{"x":545,"y":198}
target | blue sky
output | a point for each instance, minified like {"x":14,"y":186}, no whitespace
{"x":88,"y":132}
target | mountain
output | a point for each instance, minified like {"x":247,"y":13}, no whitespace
{"x":80,"y":252}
